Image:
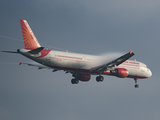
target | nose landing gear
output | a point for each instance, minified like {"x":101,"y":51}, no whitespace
{"x":136,"y":85}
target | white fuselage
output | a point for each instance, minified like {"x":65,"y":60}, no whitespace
{"x":84,"y":63}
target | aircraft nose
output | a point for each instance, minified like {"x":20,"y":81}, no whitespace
{"x":149,"y":73}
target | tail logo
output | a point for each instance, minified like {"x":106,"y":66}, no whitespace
{"x":30,"y":41}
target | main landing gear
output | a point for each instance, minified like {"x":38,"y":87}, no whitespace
{"x":99,"y":78}
{"x":75,"y":79}
{"x":136,"y":85}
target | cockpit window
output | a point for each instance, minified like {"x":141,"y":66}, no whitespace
{"x":143,"y":65}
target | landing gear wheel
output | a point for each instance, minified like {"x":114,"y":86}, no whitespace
{"x":74,"y":81}
{"x":77,"y":81}
{"x":99,"y":78}
{"x":136,"y":86}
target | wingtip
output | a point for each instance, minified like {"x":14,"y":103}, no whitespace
{"x":20,"y":62}
{"x":130,"y":51}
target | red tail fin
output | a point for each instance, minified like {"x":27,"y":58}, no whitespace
{"x":30,"y":41}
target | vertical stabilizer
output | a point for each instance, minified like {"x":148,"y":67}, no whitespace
{"x":30,"y":41}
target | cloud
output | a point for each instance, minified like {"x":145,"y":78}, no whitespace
{"x":102,"y":59}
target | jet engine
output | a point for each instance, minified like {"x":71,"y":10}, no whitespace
{"x":82,"y":77}
{"x":120,"y":72}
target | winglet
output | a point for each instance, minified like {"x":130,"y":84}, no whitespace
{"x":130,"y":51}
{"x":20,"y":63}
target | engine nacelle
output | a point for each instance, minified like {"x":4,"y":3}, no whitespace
{"x":84,"y":77}
{"x":120,"y":72}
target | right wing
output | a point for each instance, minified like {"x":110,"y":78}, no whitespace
{"x":39,"y":66}
{"x":113,"y":63}
{"x":35,"y":65}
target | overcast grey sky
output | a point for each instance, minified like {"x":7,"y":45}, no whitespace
{"x":83,"y":26}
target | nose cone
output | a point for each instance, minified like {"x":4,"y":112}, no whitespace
{"x":149,"y":74}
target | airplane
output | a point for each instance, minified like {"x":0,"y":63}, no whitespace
{"x":81,"y":66}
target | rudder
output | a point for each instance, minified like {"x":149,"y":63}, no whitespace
{"x":30,"y":41}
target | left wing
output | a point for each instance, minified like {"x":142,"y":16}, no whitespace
{"x":115,"y":62}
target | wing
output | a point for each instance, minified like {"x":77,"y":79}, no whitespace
{"x":35,"y":65}
{"x":39,"y":66}
{"x":115,"y":62}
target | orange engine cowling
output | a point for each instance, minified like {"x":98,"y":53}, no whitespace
{"x":120,"y":72}
{"x":84,"y":77}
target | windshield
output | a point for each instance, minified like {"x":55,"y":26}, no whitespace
{"x":143,"y":65}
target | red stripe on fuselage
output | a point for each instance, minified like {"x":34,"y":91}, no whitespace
{"x":67,"y":59}
{"x":127,"y":66}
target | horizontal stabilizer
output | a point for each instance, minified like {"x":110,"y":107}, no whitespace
{"x":10,"y":51}
{"x":36,"y":51}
